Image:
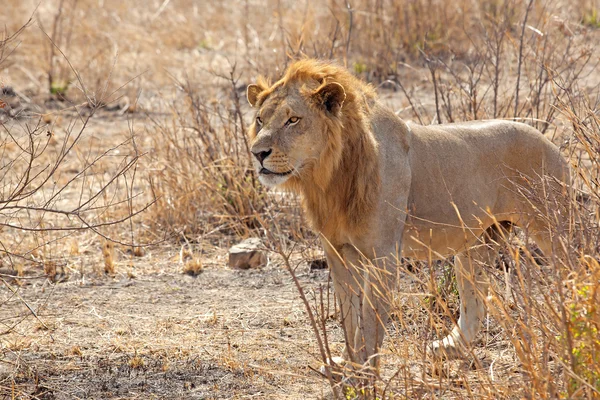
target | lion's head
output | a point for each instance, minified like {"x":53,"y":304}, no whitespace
{"x":295,"y":124}
{"x":311,"y":135}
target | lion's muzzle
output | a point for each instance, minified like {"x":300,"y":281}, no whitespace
{"x":262,"y":154}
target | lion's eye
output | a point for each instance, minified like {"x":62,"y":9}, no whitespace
{"x":292,"y":121}
{"x":258,"y":120}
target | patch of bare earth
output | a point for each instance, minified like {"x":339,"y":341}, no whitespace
{"x":163,"y":334}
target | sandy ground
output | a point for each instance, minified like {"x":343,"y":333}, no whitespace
{"x":163,"y":334}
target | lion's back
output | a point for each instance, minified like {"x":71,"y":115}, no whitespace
{"x":472,"y":168}
{"x":498,"y":145}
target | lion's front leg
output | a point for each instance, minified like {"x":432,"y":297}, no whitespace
{"x":378,"y":288}
{"x":364,"y":291}
{"x":348,"y":283}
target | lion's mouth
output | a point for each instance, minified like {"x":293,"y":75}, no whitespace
{"x":265,"y":171}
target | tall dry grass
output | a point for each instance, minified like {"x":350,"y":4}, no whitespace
{"x":200,"y":168}
{"x":201,"y":174}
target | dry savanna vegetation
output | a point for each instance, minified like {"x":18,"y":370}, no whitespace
{"x":125,"y":177}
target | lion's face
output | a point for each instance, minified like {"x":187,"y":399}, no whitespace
{"x":289,"y":132}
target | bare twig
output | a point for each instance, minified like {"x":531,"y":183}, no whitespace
{"x":520,"y":60}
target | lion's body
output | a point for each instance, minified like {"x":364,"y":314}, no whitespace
{"x":372,"y":184}
{"x":474,"y":169}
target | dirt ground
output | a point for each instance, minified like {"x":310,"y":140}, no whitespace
{"x":153,"y":331}
{"x":156,"y":332}
{"x":161,"y":334}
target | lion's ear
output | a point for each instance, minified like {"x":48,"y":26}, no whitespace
{"x":252,"y":93}
{"x":330,"y":96}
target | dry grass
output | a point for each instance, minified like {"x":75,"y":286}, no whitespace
{"x":78,"y":307}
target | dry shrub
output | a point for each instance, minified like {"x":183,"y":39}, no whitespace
{"x":108,"y":254}
{"x":202,"y":177}
{"x":192,"y":262}
{"x":193,"y":267}
{"x":201,"y":169}
{"x":57,"y":183}
{"x":136,"y":362}
{"x":549,"y":305}
{"x":576,"y":294}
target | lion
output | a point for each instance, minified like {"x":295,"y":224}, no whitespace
{"x":377,"y":189}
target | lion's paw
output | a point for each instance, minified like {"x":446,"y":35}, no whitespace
{"x":334,"y":362}
{"x":449,"y":348}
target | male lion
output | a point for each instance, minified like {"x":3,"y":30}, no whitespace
{"x":373,"y":185}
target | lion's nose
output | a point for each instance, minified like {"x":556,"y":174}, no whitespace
{"x":261,"y":155}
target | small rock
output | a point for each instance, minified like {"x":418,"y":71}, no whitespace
{"x":247,"y":254}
